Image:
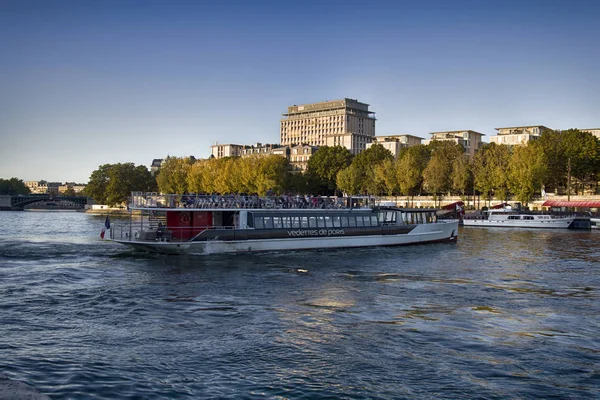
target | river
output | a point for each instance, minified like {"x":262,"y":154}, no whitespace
{"x":500,"y":314}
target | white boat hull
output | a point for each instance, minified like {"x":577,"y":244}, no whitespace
{"x":427,"y":233}
{"x":562,"y":223}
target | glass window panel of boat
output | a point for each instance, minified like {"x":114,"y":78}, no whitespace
{"x":328,"y":222}
{"x":258,"y":223}
{"x":287,"y":223}
{"x":312,"y":222}
{"x":351,"y":221}
{"x":268,"y":221}
{"x":336,"y":222}
{"x":374,"y":220}
{"x":295,"y":222}
{"x":360,"y":221}
{"x":304,"y":222}
{"x":344,"y":221}
{"x":277,"y":222}
{"x":320,"y":222}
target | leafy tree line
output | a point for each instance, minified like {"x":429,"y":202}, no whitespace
{"x":556,"y":159}
{"x":13,"y":187}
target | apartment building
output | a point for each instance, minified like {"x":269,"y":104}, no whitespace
{"x":244,"y":150}
{"x":395,"y":143}
{"x":299,"y":156}
{"x":515,"y":135}
{"x":470,"y":140}
{"x":346,"y":122}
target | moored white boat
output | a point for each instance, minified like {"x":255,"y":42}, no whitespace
{"x":509,"y":218}
{"x":177,"y":224}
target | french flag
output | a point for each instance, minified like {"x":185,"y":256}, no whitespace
{"x":105,"y":227}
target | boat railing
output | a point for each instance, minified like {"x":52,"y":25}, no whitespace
{"x":238,"y":201}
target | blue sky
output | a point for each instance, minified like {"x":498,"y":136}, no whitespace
{"x":84,"y":83}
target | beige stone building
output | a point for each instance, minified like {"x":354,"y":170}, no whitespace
{"x":244,"y":150}
{"x":395,"y":143}
{"x":346,"y":122}
{"x":593,"y":131}
{"x":299,"y":155}
{"x":470,"y":140}
{"x":515,"y":135}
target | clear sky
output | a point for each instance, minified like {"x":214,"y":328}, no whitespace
{"x":85,"y":83}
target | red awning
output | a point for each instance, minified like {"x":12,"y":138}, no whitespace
{"x":560,"y":203}
{"x":499,"y":206}
{"x":453,"y":206}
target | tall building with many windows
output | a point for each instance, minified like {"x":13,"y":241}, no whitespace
{"x":346,"y":122}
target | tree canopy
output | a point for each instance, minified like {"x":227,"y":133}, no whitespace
{"x":13,"y":186}
{"x":112,"y":184}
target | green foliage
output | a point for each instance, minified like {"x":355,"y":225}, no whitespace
{"x":490,"y":165}
{"x":349,"y":180}
{"x":409,"y":169}
{"x":526,"y":172}
{"x":13,"y":187}
{"x":112,"y":184}
{"x":324,"y":165}
{"x":172,"y":177}
{"x":437,"y":176}
{"x":364,"y":165}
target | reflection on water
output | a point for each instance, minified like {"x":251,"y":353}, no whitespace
{"x":500,"y":314}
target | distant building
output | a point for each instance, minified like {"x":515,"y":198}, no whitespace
{"x":395,"y":143}
{"x":299,"y":156}
{"x":470,"y":140}
{"x":593,"y":131}
{"x":156,"y":164}
{"x":35,"y":187}
{"x":347,"y":123}
{"x":516,"y":135}
{"x":243,"y":150}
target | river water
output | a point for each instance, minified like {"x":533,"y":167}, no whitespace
{"x":500,"y":314}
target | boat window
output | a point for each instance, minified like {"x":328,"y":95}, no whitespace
{"x":295,"y":222}
{"x":528,"y":217}
{"x":344,"y":221}
{"x":328,"y":222}
{"x":304,"y":222}
{"x":359,"y":220}
{"x":374,"y":220}
{"x":514,"y":217}
{"x":258,"y":223}
{"x":320,"y":222}
{"x":286,"y":222}
{"x":312,"y":222}
{"x":268,"y":222}
{"x":336,"y":222}
{"x":352,"y":221}
{"x":277,"y":222}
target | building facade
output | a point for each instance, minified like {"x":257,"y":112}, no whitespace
{"x":395,"y":143}
{"x":346,"y":122}
{"x":299,"y":156}
{"x":470,"y":140}
{"x":515,"y":135}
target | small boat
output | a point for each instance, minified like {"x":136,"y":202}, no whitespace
{"x":510,"y":218}
{"x":176,"y":224}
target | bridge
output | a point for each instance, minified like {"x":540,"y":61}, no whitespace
{"x":19,"y":202}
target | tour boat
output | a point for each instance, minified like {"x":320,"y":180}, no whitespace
{"x":510,"y":218}
{"x":205,"y":224}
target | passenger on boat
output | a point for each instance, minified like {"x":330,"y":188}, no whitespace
{"x":160,"y":231}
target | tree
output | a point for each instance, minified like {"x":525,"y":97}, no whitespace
{"x":348,"y":180}
{"x":172,"y":177}
{"x":365,"y":164}
{"x":112,"y":184}
{"x":462,"y":176}
{"x":437,"y":176}
{"x":385,"y":176}
{"x":526,"y":171}
{"x":326,"y":163}
{"x":490,"y":166}
{"x":13,"y":187}
{"x":409,"y":169}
